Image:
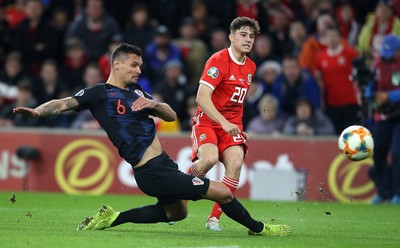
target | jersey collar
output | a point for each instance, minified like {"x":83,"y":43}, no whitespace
{"x":233,"y":57}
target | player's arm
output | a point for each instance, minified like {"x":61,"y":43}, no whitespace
{"x":53,"y":107}
{"x":161,"y":110}
{"x":203,"y":99}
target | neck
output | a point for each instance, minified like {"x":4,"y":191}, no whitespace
{"x":116,"y":82}
{"x":238,"y":55}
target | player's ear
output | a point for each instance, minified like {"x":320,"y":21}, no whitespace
{"x":116,"y":64}
{"x":231,"y":38}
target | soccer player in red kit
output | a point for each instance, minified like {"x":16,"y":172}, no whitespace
{"x":217,"y":133}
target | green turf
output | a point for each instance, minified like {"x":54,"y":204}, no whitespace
{"x":54,"y":218}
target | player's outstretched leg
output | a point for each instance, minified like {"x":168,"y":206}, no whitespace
{"x":103,"y":219}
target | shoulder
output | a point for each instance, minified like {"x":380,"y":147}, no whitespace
{"x":221,"y":56}
{"x":250,"y":63}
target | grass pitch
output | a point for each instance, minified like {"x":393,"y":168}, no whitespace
{"x":50,"y":220}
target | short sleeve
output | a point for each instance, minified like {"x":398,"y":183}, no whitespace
{"x":87,"y":98}
{"x":213,"y":72}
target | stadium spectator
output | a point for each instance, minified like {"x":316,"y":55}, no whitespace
{"x":34,"y":38}
{"x":268,"y":72}
{"x":159,"y":52}
{"x":12,"y":73}
{"x":104,"y":60}
{"x":48,"y":85}
{"x":75,"y":61}
{"x":334,"y":70}
{"x":377,"y":25}
{"x":205,"y":23}
{"x":307,"y":121}
{"x":263,"y":50}
{"x":295,"y":83}
{"x":269,"y":121}
{"x":253,"y":9}
{"x":347,"y":23}
{"x":260,"y":85}
{"x":279,"y":30}
{"x":139,"y":27}
{"x":174,"y":89}
{"x":315,"y":43}
{"x":217,"y":133}
{"x":386,"y":130}
{"x":15,"y":13}
{"x":297,"y":37}
{"x":219,"y":40}
{"x":5,"y":38}
{"x":59,"y":22}
{"x":193,"y":50}
{"x":305,"y":11}
{"x":24,"y":98}
{"x":95,"y":28}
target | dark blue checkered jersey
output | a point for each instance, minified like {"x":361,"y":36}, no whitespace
{"x":131,"y":132}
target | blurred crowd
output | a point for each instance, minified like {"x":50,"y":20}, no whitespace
{"x":305,"y":53}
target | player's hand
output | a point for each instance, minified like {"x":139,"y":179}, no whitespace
{"x":231,"y":129}
{"x":27,"y":112}
{"x":381,"y":97}
{"x":143,"y":103}
{"x":245,"y":136}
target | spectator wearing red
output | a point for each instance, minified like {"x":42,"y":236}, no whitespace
{"x":34,"y":38}
{"x":15,"y":13}
{"x":334,"y":66}
{"x":315,"y":43}
{"x":75,"y":61}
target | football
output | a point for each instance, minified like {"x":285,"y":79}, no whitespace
{"x":356,"y":143}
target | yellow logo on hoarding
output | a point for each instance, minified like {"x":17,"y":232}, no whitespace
{"x":72,"y":161}
{"x":341,"y":177}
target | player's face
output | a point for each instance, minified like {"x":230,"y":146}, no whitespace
{"x":129,"y":70}
{"x":243,"y":39}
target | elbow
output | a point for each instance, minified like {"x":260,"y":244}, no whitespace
{"x":172,"y":117}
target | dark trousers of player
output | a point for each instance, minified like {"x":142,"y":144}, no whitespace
{"x":386,"y":176}
{"x":344,"y":116}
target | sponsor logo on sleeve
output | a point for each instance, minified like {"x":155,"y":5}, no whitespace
{"x":249,"y":78}
{"x":213,"y":72}
{"x":80,"y":93}
{"x":139,"y":92}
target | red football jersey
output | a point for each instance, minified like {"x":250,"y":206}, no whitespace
{"x":230,"y":81}
{"x":336,"y":70}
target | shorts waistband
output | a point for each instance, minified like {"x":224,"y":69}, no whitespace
{"x":154,"y":160}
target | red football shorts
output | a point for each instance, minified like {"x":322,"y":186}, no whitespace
{"x":214,"y":135}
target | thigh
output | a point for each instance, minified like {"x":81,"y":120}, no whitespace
{"x":161,"y":178}
{"x":225,"y":140}
{"x":200,"y":136}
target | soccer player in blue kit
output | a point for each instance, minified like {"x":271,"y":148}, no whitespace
{"x":122,"y":108}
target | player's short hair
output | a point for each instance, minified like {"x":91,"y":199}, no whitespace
{"x":239,"y":22}
{"x":123,"y":50}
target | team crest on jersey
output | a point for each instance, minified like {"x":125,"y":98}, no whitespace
{"x":341,"y":60}
{"x":139,"y":92}
{"x":197,"y":181}
{"x":80,"y":93}
{"x":213,"y":72}
{"x":249,"y":78}
{"x":203,"y":137}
